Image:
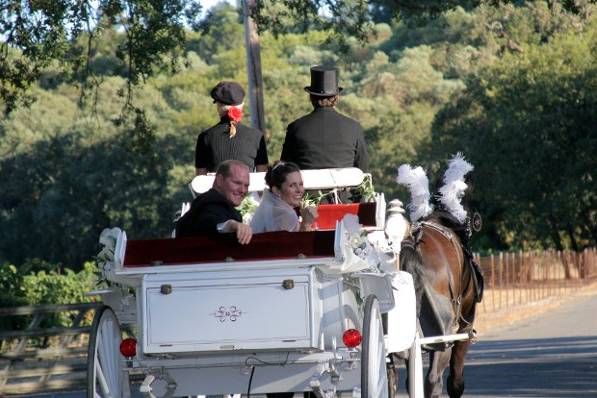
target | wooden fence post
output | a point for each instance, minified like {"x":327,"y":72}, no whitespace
{"x":519,"y":272}
{"x":501,"y":278}
{"x":532,"y":267}
{"x":493,"y":281}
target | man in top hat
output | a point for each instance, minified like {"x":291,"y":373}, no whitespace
{"x":230,"y":139}
{"x":325,"y":138}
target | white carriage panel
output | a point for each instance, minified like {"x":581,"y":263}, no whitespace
{"x":340,"y":311}
{"x":266,"y":379}
{"x":379,"y":285}
{"x":203,"y":315}
{"x":228,"y":314}
{"x":402,"y":319}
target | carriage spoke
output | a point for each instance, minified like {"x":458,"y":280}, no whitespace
{"x":102,"y":380}
{"x":374,"y":377}
{"x":106,"y":376}
{"x":108,"y":357}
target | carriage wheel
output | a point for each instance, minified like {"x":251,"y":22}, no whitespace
{"x":374,"y":376}
{"x":105,"y":375}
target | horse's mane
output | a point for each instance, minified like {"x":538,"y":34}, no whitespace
{"x":445,"y":218}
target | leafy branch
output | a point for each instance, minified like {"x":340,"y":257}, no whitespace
{"x":43,"y":33}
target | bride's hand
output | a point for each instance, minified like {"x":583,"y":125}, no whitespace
{"x":309,"y":214}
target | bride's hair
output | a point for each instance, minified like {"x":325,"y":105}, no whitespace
{"x":276,"y":174}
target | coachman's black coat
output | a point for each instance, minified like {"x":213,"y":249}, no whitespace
{"x":325,"y":139}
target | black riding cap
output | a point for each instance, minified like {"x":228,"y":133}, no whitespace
{"x":324,"y":81}
{"x":228,"y":93}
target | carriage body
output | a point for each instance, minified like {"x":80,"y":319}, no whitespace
{"x":214,"y":317}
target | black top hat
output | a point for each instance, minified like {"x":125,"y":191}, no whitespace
{"x":324,"y":81}
{"x":228,"y":93}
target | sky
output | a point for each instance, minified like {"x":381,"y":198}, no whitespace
{"x":207,"y":4}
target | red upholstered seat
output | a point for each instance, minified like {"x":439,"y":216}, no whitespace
{"x":207,"y":249}
{"x":329,"y":214}
{"x":267,"y":246}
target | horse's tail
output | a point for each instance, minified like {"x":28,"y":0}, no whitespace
{"x":435,"y":312}
{"x":411,"y":261}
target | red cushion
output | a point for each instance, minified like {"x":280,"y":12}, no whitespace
{"x":329,"y":214}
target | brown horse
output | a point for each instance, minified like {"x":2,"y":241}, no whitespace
{"x":447,"y":289}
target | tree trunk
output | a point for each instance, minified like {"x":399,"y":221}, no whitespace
{"x":570,"y":230}
{"x":555,"y":234}
{"x":254,"y":68}
{"x":590,"y":225}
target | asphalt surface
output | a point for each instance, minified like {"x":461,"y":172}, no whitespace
{"x":551,"y":355}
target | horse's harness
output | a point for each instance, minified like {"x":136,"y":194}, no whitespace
{"x":462,"y":254}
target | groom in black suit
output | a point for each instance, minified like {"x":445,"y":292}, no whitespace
{"x":325,"y":138}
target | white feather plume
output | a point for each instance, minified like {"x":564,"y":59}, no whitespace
{"x":418,"y":184}
{"x":454,"y":186}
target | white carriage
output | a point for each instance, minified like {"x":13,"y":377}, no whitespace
{"x":290,"y":312}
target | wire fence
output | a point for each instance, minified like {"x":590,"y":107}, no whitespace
{"x":519,"y":278}
{"x":37,"y":358}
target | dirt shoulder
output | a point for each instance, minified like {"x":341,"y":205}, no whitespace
{"x":491,"y":321}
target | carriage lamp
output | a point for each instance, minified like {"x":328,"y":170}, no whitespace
{"x":128,"y":347}
{"x":352,"y":338}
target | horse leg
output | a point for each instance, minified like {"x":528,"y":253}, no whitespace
{"x":407,"y":378}
{"x":438,"y":362}
{"x":392,"y":370}
{"x":456,"y":376}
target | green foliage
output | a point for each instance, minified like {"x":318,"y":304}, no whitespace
{"x":11,"y":283}
{"x":346,"y":18}
{"x":42,"y":32}
{"x":527,"y":125}
{"x":247,"y":206}
{"x":38,"y":282}
{"x":493,"y":81}
{"x":59,"y":287}
{"x":366,"y":190}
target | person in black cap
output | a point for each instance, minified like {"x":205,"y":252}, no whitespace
{"x":229,"y":139}
{"x":325,"y":138}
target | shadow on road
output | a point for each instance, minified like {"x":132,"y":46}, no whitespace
{"x":551,"y":367}
{"x":563,"y":367}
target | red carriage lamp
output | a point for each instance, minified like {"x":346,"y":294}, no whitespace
{"x":352,"y":338}
{"x":128,"y":347}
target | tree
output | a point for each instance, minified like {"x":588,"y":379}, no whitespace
{"x":37,"y":34}
{"x":527,"y":124}
{"x":452,"y":83}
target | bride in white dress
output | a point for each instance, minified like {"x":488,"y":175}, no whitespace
{"x":276,"y":212}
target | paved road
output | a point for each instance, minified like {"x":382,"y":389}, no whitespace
{"x":552,"y":355}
